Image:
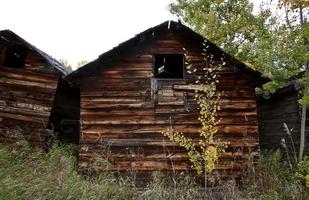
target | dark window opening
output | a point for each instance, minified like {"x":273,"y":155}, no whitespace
{"x":169,"y":66}
{"x":15,"y":57}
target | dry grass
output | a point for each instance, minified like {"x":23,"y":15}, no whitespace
{"x":25,"y":174}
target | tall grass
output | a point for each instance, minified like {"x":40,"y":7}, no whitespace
{"x":275,"y":180}
{"x":26,"y":174}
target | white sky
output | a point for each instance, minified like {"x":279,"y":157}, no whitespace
{"x":78,"y":30}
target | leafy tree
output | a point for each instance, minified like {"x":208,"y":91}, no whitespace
{"x":66,"y":63}
{"x":81,"y":63}
{"x":275,"y":45}
{"x":263,"y":41}
{"x":229,"y":24}
{"x":69,"y":66}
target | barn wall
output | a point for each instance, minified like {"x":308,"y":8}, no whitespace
{"x":281,"y":108}
{"x":123,"y":111}
{"x":26,"y":97}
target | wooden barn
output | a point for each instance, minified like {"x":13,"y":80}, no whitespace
{"x":28,"y":82}
{"x":282,"y":107}
{"x":126,"y":101}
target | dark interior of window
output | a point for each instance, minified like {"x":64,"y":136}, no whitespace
{"x":15,"y":56}
{"x":169,"y":66}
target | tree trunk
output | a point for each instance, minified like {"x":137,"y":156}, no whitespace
{"x":302,"y":133}
{"x":303,"y":112}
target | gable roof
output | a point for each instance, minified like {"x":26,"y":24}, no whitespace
{"x":10,"y":36}
{"x":167,"y":25}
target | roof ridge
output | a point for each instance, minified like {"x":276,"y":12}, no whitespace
{"x":52,"y":61}
{"x":170,"y":24}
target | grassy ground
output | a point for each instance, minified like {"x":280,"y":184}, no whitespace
{"x":25,"y":174}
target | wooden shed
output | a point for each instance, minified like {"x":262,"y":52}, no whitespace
{"x":126,"y":101}
{"x":281,"y":107}
{"x":28,"y":82}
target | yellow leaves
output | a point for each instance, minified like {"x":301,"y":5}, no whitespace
{"x":210,"y":156}
{"x":204,"y":152}
{"x":302,"y":171}
{"x":179,"y":138}
{"x":212,"y":19}
{"x":303,"y":177}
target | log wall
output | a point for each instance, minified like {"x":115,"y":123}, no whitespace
{"x":26,"y":99}
{"x":124,"y":109}
{"x":282,"y":107}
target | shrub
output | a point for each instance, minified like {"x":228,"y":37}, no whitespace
{"x":302,"y":171}
{"x":275,"y":180}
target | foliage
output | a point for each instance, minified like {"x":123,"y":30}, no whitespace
{"x":82,"y":63}
{"x":229,"y":24}
{"x":187,"y":143}
{"x":302,"y":171}
{"x":277,"y":47}
{"x":275,"y":180}
{"x":70,"y":67}
{"x":66,"y":63}
{"x":205,"y":154}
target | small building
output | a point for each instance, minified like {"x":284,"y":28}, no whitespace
{"x":278,"y":109}
{"x":127,"y":100}
{"x":28,"y":83}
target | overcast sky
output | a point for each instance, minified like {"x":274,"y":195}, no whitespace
{"x":78,"y":30}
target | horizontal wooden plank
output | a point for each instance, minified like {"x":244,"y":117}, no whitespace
{"x":21,"y":76}
{"x":20,"y":111}
{"x":163,"y":165}
{"x":130,"y":93}
{"x":118,"y":105}
{"x":161,"y":142}
{"x":152,"y":128}
{"x":16,"y":104}
{"x":27,"y":83}
{"x":11,"y":93}
{"x":30,"y":72}
{"x":23,"y":117}
{"x":179,"y":155}
{"x":150,"y":111}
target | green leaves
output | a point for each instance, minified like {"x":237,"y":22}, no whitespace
{"x":276,"y":45}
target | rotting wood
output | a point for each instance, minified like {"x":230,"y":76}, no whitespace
{"x":123,"y":108}
{"x":27,"y":93}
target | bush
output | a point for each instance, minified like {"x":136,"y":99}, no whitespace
{"x":302,"y":171}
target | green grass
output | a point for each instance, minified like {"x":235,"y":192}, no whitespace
{"x":26,"y":174}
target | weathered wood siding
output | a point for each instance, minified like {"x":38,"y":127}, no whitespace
{"x":124,"y":109}
{"x":282,"y":107}
{"x":26,"y":98}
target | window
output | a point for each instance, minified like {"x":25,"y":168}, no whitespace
{"x":15,"y":57}
{"x":169,"y":66}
